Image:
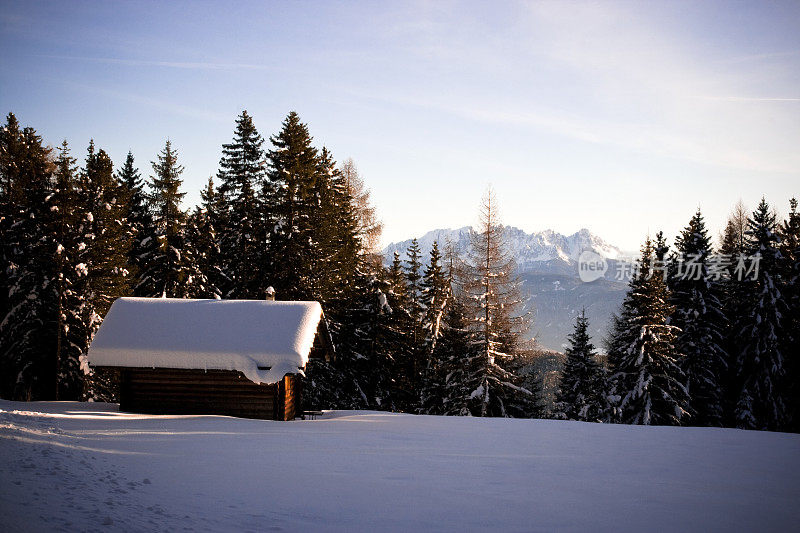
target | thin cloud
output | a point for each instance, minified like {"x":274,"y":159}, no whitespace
{"x":171,"y":107}
{"x":749,"y":99}
{"x":189,"y":65}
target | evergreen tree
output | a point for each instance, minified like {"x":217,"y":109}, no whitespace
{"x":790,"y":274}
{"x":67,"y":213}
{"x":734,"y":296}
{"x":411,"y":359}
{"x":241,"y":175}
{"x":140,"y":223}
{"x":103,"y":249}
{"x":761,"y":330}
{"x":647,"y":381}
{"x":492,"y":299}
{"x":170,"y":270}
{"x":28,"y":326}
{"x":698,"y":314}
{"x":435,"y":297}
{"x":363,"y":373}
{"x":336,"y":249}
{"x":203,"y":238}
{"x":288,"y":198}
{"x":582,"y":386}
{"x":453,"y":361}
{"x":396,"y":276}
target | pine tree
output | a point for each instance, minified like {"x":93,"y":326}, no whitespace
{"x":363,"y":374}
{"x":241,"y":175}
{"x":647,"y":380}
{"x":336,"y":252}
{"x":140,"y":222}
{"x":29,"y":324}
{"x":454,"y":354}
{"x":698,"y":314}
{"x":288,"y":199}
{"x":412,"y":362}
{"x":732,"y":247}
{"x":435,"y":299}
{"x":170,"y":270}
{"x":790,"y":274}
{"x":68,"y":212}
{"x":761,"y":330}
{"x":103,"y":249}
{"x":492,"y":299}
{"x":203,"y":238}
{"x":582,"y":386}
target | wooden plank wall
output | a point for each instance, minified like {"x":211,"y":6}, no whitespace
{"x":178,"y":391}
{"x":290,"y":398}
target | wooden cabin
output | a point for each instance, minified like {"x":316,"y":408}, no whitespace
{"x":226,"y":357}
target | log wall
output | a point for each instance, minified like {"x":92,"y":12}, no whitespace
{"x":219,"y":392}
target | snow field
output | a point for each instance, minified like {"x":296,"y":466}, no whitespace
{"x":82,"y":466}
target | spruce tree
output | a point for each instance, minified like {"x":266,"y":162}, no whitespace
{"x":790,"y":274}
{"x":761,"y":330}
{"x":140,"y":223}
{"x":453,"y":357}
{"x":170,"y":270}
{"x":581,"y":390}
{"x":647,"y":381}
{"x":29,"y":324}
{"x":288,"y":199}
{"x":734,"y":296}
{"x":68,"y":212}
{"x":336,"y":252}
{"x":102,"y":255}
{"x":241,"y":176}
{"x":435,"y":297}
{"x":203,"y":238}
{"x":698,"y":314}
{"x":412,"y":362}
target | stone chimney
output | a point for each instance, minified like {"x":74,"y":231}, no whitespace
{"x":270,"y":294}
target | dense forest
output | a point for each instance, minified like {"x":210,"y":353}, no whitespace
{"x":444,"y":334}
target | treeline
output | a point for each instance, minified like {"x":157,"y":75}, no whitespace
{"x":442,"y":338}
{"x":705,"y":337}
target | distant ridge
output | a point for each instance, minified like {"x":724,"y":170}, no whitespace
{"x":548,"y":267}
{"x":528,"y":248}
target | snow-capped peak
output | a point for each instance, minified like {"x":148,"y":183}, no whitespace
{"x":529,"y":248}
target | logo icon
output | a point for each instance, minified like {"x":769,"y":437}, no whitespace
{"x":591,"y":266}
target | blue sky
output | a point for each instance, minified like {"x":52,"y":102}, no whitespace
{"x":622,"y":117}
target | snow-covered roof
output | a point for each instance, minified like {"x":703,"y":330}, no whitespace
{"x":238,"y":335}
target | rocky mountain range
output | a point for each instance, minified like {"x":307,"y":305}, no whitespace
{"x":547,"y":263}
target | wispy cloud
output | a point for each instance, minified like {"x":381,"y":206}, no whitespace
{"x":147,"y":101}
{"x":749,"y":99}
{"x":189,"y":65}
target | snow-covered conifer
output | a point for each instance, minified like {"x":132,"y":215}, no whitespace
{"x":698,"y":314}
{"x":582,"y":386}
{"x":647,"y":381}
{"x":761,"y":333}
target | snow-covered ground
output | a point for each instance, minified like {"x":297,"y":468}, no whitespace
{"x":78,"y":466}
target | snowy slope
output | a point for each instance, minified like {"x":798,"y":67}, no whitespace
{"x":75,"y":467}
